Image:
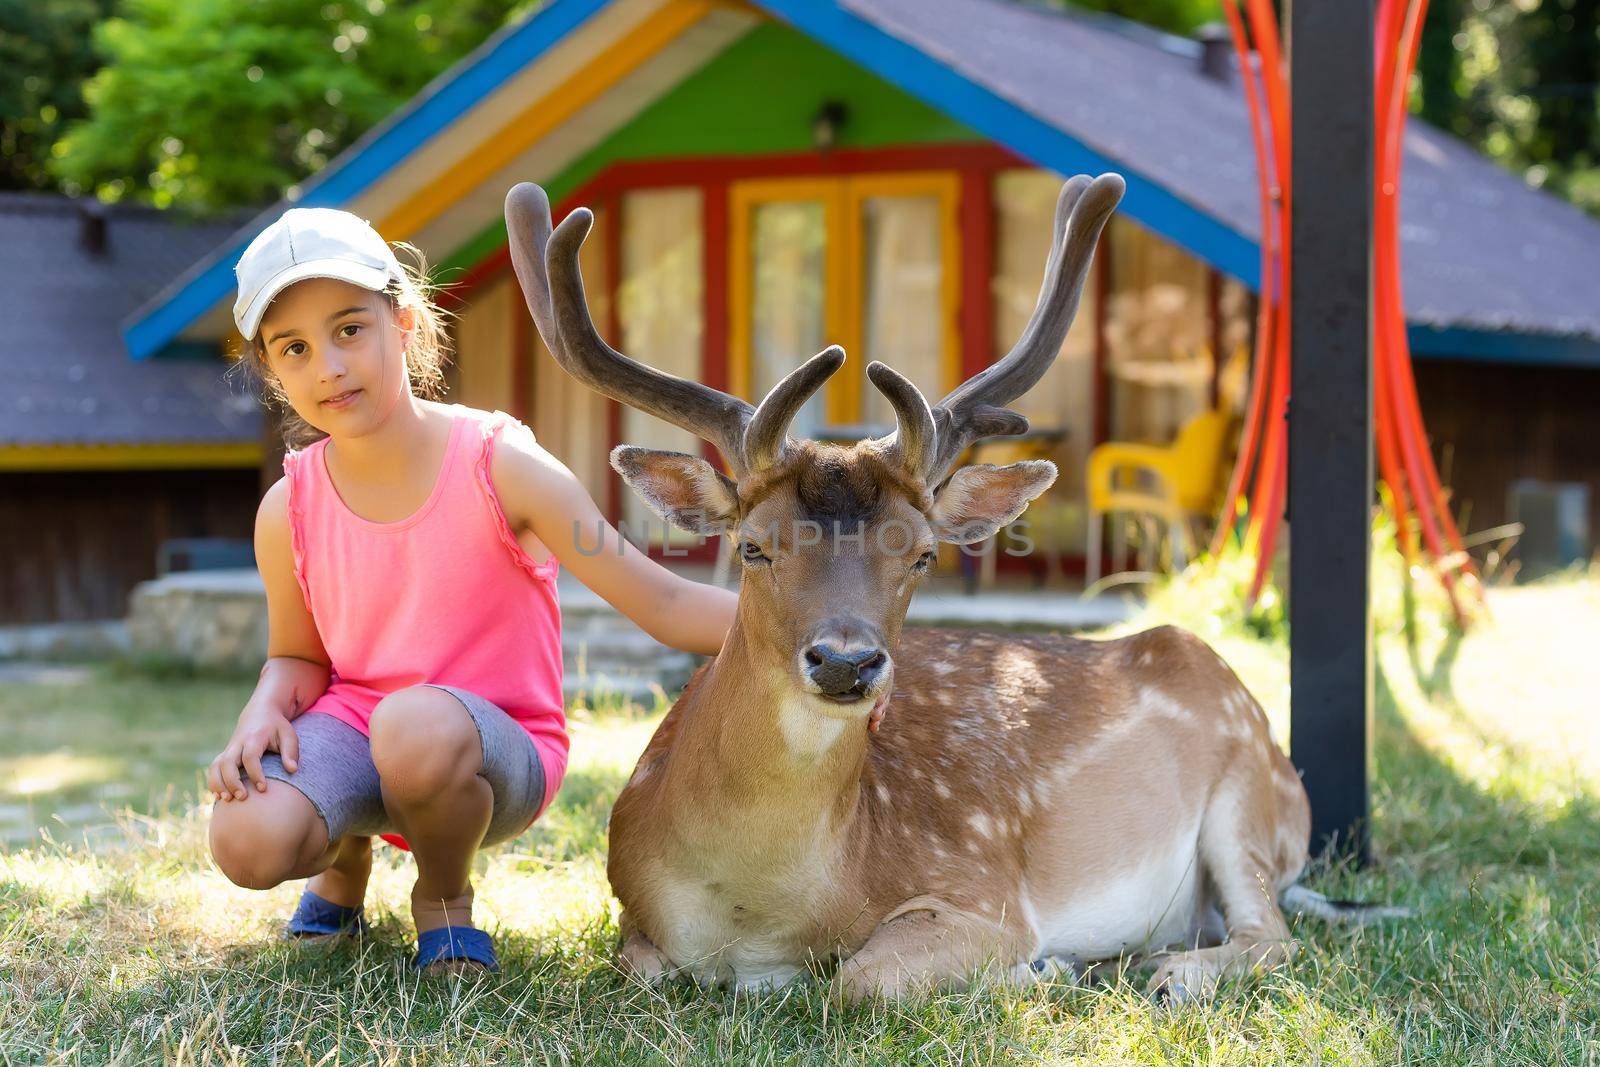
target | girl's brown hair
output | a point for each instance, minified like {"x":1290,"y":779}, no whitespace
{"x":426,"y":356}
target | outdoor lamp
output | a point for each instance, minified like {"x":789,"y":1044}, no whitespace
{"x":825,"y":125}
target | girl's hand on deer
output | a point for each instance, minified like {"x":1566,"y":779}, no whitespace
{"x":875,"y":718}
{"x":260,"y":730}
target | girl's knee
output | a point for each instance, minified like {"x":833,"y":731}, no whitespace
{"x":260,"y":842}
{"x":423,"y":743}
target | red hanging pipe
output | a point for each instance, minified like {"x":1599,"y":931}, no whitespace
{"x":1391,"y":325}
{"x":1405,"y":416}
{"x":1404,"y":459}
{"x":1403,"y":349}
{"x":1272,"y":476}
{"x":1266,"y":304}
{"x":1383,"y":402}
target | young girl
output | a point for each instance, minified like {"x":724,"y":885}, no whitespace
{"x":413,"y":685}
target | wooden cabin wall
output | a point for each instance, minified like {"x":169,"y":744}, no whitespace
{"x":482,"y":374}
{"x":74,"y":544}
{"x":1492,"y":423}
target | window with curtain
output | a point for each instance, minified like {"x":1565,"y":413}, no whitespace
{"x":661,"y":313}
{"x":789,"y":249}
{"x":903,"y":314}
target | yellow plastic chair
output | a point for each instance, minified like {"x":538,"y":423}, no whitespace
{"x":1169,"y":483}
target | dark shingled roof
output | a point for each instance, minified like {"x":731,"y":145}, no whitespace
{"x":65,"y":375}
{"x":1480,"y":249}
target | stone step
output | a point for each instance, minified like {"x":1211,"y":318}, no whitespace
{"x":601,"y":689}
{"x":670,"y":673}
{"x":625,"y":645}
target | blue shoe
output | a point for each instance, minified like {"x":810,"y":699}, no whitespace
{"x":455,"y":943}
{"x":316,"y":919}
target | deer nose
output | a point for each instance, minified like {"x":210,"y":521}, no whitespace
{"x":837,"y":672}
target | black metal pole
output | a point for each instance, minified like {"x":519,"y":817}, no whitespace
{"x":1330,"y":415}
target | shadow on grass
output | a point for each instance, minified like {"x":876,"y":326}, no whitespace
{"x":561,"y":1002}
{"x":1428,"y":806}
{"x":1502,"y":962}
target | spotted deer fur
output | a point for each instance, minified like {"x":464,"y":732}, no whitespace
{"x":1029,"y":797}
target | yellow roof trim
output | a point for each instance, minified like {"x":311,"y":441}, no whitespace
{"x":544,"y":115}
{"x":124,"y":456}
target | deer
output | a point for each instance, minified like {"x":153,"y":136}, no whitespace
{"x":1034,"y":803}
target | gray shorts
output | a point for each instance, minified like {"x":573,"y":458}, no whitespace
{"x":337,"y":775}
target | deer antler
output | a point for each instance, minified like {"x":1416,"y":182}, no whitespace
{"x":547,"y":269}
{"x":764,"y":437}
{"x":977,"y":408}
{"x":913,"y":440}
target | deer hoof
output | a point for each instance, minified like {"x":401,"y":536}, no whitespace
{"x":641,"y":960}
{"x":1179,"y":982}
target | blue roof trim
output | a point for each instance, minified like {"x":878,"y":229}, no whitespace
{"x":386,"y":145}
{"x":1488,"y":346}
{"x":941,"y":87}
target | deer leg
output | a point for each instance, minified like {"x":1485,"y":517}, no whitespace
{"x":1238,"y":848}
{"x":639,"y":957}
{"x":928,"y":947}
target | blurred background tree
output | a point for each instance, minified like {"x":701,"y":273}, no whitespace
{"x":215,"y":104}
{"x":1521,"y":80}
{"x":45,"y":57}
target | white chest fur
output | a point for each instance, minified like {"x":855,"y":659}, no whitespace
{"x":715,"y":937}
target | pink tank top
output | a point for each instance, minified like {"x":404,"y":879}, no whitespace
{"x":446,"y":595}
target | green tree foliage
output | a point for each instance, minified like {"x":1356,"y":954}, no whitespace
{"x":213,"y":104}
{"x":45,"y":55}
{"x":1520,"y":80}
{"x":222,"y":103}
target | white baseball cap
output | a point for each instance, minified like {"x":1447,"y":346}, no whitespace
{"x":310,"y":242}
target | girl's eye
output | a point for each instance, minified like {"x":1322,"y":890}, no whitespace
{"x":350,"y":326}
{"x":751,"y":552}
{"x":292,"y":350}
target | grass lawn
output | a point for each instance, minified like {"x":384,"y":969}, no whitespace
{"x":120,"y":942}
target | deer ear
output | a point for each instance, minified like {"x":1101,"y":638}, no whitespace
{"x":980,"y":499}
{"x":684,"y":490}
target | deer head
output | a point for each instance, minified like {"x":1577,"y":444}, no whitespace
{"x":833,"y":538}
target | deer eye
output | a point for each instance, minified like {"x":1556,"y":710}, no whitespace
{"x":925,"y":560}
{"x":751,"y":552}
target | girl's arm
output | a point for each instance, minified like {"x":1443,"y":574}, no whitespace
{"x":540,"y":494}
{"x":297,"y":669}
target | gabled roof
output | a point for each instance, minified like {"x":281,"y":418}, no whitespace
{"x":1481,"y":250}
{"x":65,"y":377}
{"x":1489,"y":264}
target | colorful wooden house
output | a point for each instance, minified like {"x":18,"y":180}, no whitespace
{"x":103,"y":461}
{"x":775,"y":175}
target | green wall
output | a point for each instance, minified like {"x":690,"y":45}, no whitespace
{"x":757,"y":97}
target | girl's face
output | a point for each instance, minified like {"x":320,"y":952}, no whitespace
{"x":339,"y":352}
